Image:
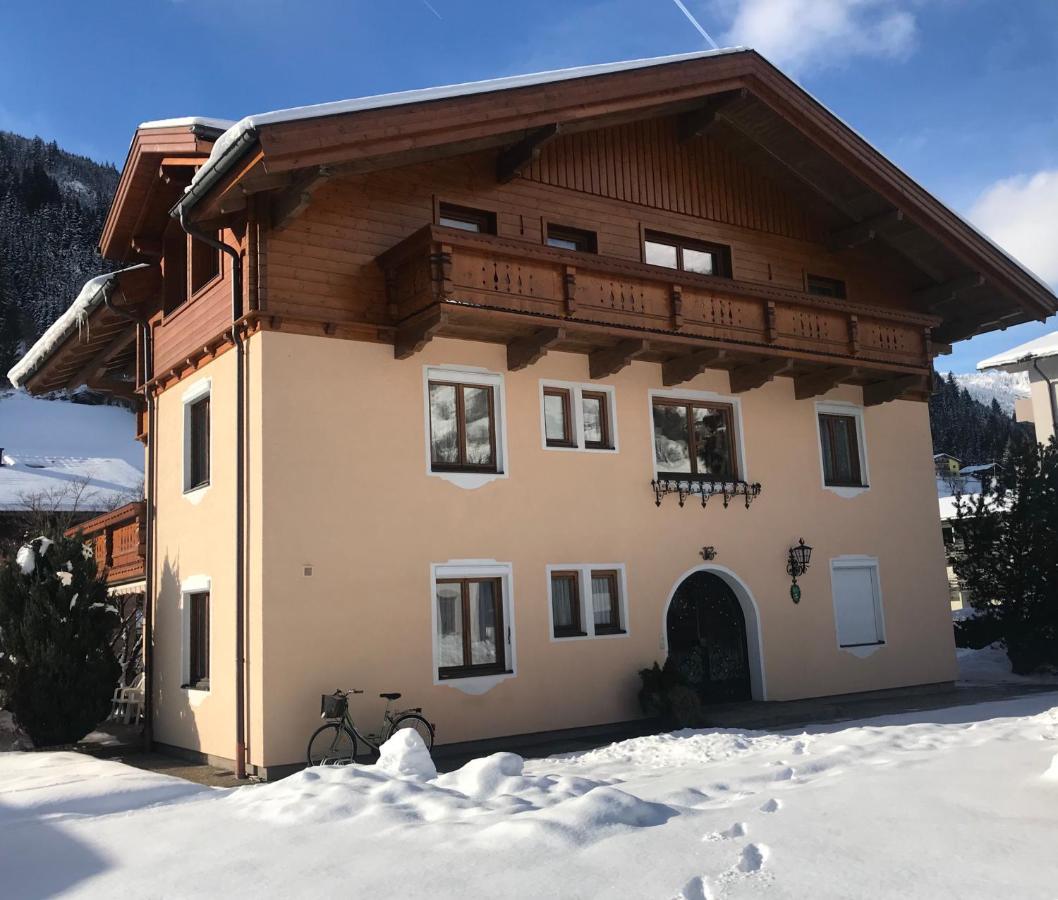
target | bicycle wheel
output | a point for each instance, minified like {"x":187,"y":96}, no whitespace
{"x":332,"y":745}
{"x":412,"y":720}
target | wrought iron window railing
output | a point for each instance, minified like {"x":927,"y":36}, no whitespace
{"x":704,"y":488}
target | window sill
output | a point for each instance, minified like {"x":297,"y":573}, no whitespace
{"x":568,"y":635}
{"x":474,"y":684}
{"x":610,"y":632}
{"x":194,"y":495}
{"x":467,"y":479}
{"x":847,"y":490}
{"x":200,"y":687}
{"x":862,"y":651}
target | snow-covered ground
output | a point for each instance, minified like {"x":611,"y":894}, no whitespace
{"x":950,"y":803}
{"x":68,"y":454}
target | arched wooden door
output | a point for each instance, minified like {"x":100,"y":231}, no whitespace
{"x":707,"y":638}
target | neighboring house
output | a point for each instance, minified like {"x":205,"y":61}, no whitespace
{"x":1039,"y":358}
{"x":945,"y":465}
{"x":441,"y":413}
{"x":63,"y":462}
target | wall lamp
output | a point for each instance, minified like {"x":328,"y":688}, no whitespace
{"x":797,"y":561}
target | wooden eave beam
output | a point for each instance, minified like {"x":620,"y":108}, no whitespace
{"x":417,"y":332}
{"x":146,"y":245}
{"x":893,"y":388}
{"x":610,"y":360}
{"x":93,"y":369}
{"x":812,"y":384}
{"x":683,"y":368}
{"x":863,"y":232}
{"x":755,"y":375}
{"x":516,"y":157}
{"x":290,"y":203}
{"x":934,"y":298}
{"x":524,"y":351}
{"x":697,"y":122}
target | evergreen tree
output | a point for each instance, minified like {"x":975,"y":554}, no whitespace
{"x":57,"y":668}
{"x":971,"y":431}
{"x":1009,"y":555}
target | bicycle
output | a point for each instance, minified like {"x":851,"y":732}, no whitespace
{"x":335,"y":744}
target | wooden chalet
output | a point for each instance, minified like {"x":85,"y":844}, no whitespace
{"x":471,"y":328}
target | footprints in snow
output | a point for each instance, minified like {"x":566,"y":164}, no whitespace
{"x":753,"y":858}
{"x":770,"y":806}
{"x":696,"y":889}
{"x":735,"y":831}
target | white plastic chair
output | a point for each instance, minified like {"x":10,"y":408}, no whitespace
{"x":127,"y":704}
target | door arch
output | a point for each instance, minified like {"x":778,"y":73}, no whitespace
{"x":711,"y":608}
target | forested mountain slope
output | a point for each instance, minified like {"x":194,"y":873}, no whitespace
{"x":52,"y":206}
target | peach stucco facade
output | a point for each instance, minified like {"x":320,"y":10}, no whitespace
{"x":339,"y":485}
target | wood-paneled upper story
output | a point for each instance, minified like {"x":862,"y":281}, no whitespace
{"x":830,"y":265}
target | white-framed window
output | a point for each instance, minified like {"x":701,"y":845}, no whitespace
{"x":578,"y":416}
{"x":472,"y":613}
{"x":697,"y":434}
{"x":857,"y":595}
{"x":586,"y":600}
{"x":466,"y":425}
{"x":197,"y":438}
{"x":842,"y":446}
{"x":196,"y":620}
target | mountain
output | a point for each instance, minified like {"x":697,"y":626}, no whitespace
{"x":972,"y":431}
{"x":52,"y":206}
{"x":1003,"y":387}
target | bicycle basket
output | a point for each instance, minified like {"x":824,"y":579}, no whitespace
{"x":332,"y":707}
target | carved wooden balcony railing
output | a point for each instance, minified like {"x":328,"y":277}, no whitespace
{"x":118,"y":542}
{"x":440,"y":269}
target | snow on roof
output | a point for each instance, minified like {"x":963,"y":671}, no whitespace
{"x":189,"y":121}
{"x":399,"y":98}
{"x":67,"y":453}
{"x":1016,"y":358}
{"x":945,"y":456}
{"x":983,"y":467}
{"x":74,"y":318}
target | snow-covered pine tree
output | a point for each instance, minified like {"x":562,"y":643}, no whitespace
{"x":57,"y":668}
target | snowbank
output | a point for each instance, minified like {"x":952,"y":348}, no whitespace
{"x":406,"y":756}
{"x":957,"y":802}
{"x":990,"y":665}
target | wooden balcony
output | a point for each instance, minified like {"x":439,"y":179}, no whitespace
{"x":118,"y":541}
{"x":443,"y":281}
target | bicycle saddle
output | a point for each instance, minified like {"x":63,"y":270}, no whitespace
{"x":390,"y":696}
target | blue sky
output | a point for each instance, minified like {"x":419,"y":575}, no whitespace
{"x":960,"y":93}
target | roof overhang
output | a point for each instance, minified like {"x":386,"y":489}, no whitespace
{"x":94,"y":338}
{"x":965,"y":279}
{"x":161,"y":161}
{"x":1022,"y":357}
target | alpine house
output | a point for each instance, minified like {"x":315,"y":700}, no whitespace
{"x":495,"y":394}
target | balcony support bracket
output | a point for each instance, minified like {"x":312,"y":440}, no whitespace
{"x":524,"y":351}
{"x":684,"y":368}
{"x":610,"y":360}
{"x":746,"y":378}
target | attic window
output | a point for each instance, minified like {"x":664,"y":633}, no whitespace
{"x":825,"y":287}
{"x":686,"y":254}
{"x":580,"y":240}
{"x":466,"y":219}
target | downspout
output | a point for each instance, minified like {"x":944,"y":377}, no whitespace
{"x":148,"y":565}
{"x":240,"y":441}
{"x":1050,"y":395}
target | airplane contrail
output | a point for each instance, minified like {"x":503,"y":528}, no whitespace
{"x":429,"y":7}
{"x":705,"y":34}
